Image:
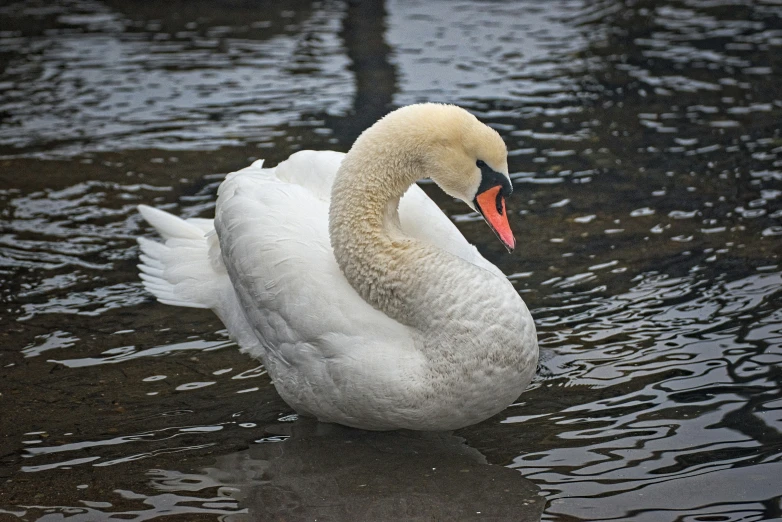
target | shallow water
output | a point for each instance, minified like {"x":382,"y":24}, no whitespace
{"x":645,"y":146}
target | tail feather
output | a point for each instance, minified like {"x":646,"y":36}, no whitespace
{"x":187,"y":269}
{"x":170,"y":226}
{"x":182,"y":271}
{"x":150,"y":271}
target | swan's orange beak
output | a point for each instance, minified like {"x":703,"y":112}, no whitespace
{"x":491,"y":205}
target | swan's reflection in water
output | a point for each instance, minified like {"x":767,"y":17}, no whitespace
{"x":328,"y":472}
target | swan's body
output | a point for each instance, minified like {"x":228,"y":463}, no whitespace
{"x":364,"y":302}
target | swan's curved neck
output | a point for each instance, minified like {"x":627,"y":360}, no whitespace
{"x":382,"y":264}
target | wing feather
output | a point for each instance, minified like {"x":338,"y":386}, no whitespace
{"x":275,"y":245}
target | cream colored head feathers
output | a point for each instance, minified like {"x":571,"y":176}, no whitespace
{"x":443,"y":142}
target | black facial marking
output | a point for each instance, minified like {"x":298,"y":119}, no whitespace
{"x":491,"y":178}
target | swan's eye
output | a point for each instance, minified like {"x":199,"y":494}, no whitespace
{"x":480,"y":164}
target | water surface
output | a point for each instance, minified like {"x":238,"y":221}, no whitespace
{"x":644,"y":144}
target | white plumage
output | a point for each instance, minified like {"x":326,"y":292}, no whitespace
{"x":389,"y":321}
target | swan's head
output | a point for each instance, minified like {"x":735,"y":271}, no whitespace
{"x":465,"y":157}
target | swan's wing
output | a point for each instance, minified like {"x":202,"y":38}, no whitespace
{"x":422,"y":219}
{"x":419,"y":216}
{"x":272,"y":226}
{"x":273,"y":235}
{"x":312,"y":170}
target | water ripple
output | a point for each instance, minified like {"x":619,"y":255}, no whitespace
{"x":688,"y":387}
{"x":101,"y":80}
{"x":645,"y":150}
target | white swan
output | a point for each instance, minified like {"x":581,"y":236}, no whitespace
{"x":366,"y":305}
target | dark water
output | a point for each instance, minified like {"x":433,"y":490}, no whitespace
{"x":645,"y":146}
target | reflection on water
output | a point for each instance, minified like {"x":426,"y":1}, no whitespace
{"x":335,"y":473}
{"x":645,"y":147}
{"x":326,"y":472}
{"x":462,"y":52}
{"x":105,"y":79}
